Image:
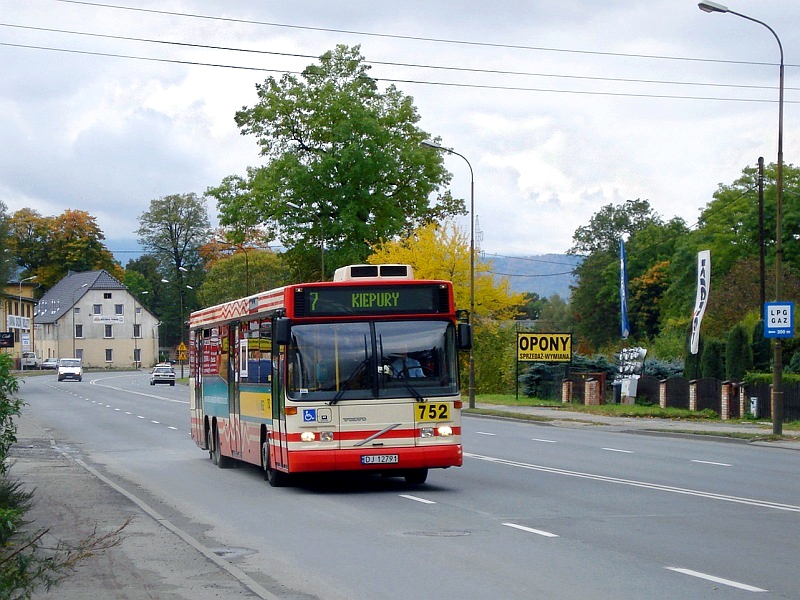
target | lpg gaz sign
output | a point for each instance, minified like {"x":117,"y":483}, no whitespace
{"x":544,"y":347}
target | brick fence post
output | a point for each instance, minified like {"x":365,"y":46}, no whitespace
{"x":592,"y":392}
{"x":566,"y":391}
{"x":725,"y":401}
{"x":693,"y":395}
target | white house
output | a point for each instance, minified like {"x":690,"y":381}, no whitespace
{"x":94,"y":317}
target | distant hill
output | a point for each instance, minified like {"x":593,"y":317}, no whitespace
{"x":545,"y":275}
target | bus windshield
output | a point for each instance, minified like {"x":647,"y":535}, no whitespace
{"x":365,"y":359}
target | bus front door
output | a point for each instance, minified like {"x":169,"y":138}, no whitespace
{"x":234,"y":403}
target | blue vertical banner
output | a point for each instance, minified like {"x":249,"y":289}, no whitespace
{"x":623,"y":289}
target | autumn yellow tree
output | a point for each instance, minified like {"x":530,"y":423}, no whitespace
{"x":50,"y":247}
{"x":442,"y":252}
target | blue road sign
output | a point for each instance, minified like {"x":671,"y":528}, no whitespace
{"x":779,"y":319}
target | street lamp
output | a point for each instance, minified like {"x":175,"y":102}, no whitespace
{"x":777,"y":362}
{"x":321,"y":238}
{"x":21,"y":281}
{"x":471,"y":260}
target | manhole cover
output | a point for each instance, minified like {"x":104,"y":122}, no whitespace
{"x":232,"y":552}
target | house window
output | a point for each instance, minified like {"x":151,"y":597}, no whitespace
{"x":106,"y":295}
{"x":138,"y":310}
{"x":137,"y":355}
{"x":79,"y":353}
{"x":76,"y":310}
{"x":97,"y":309}
{"x":78,"y":331}
{"x":118,"y":309}
{"x":109,"y":355}
{"x":109,"y":333}
{"x":137,"y":330}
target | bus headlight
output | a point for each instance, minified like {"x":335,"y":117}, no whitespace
{"x":326,"y":436}
{"x":307,"y":436}
{"x":445,"y":430}
{"x":426,"y":432}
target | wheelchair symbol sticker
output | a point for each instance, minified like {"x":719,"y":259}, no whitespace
{"x":309,"y":415}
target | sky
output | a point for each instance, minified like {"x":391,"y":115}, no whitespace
{"x":559,"y":108}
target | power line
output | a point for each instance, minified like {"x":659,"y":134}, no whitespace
{"x":392,"y":63}
{"x":391,"y":80}
{"x":417,"y":38}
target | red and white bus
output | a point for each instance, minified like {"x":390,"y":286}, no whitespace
{"x":357,"y":374}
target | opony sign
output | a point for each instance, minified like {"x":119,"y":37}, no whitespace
{"x":544,"y":347}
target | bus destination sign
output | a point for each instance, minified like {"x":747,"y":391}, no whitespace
{"x":369,"y":300}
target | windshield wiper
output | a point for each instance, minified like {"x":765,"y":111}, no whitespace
{"x":359,"y":368}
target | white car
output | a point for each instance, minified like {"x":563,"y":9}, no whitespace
{"x":162,"y":374}
{"x":70,"y":368}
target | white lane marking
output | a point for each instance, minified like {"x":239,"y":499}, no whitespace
{"x":728,"y":582}
{"x":155,"y":422}
{"x":171,"y":427}
{"x":139,"y":417}
{"x":136,"y":393}
{"x":542,"y":440}
{"x":618,"y":450}
{"x":708,"y":462}
{"x":417,"y":499}
{"x":641,"y":484}
{"x":484,"y":433}
{"x":531,"y":530}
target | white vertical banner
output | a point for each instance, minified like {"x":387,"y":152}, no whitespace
{"x":701,"y":300}
{"x":623,"y":290}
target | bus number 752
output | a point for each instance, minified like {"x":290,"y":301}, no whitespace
{"x":432,"y":411}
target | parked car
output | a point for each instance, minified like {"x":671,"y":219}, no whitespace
{"x":70,"y":368}
{"x":30,"y":361}
{"x":50,"y":363}
{"x":162,"y":373}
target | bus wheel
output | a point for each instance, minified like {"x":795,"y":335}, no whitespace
{"x":417,"y":476}
{"x":223,"y":462}
{"x":274,"y":477}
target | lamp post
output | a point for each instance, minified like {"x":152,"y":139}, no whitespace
{"x":471,"y":259}
{"x":777,"y":361}
{"x":321,"y":238}
{"x":21,"y":281}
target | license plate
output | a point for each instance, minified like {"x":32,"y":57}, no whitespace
{"x":380,"y":459}
{"x":432,"y":411}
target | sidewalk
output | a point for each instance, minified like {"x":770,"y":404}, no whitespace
{"x":71,"y":503}
{"x":563,"y":417}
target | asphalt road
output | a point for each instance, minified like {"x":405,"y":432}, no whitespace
{"x":536,"y":511}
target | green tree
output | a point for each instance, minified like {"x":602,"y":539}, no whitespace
{"x":7,"y":266}
{"x":712,"y":359}
{"x":760,"y":348}
{"x":555,"y":316}
{"x":172,"y":231}
{"x":241,"y":274}
{"x":347,"y":155}
{"x":610,"y":223}
{"x":738,"y":354}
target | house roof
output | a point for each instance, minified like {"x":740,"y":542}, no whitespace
{"x":60,"y":298}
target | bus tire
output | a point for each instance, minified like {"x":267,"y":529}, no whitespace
{"x":417,"y":476}
{"x":274,"y":477}
{"x":222,"y":461}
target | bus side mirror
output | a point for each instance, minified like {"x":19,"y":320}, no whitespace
{"x":464,"y":336}
{"x":280,"y":331}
